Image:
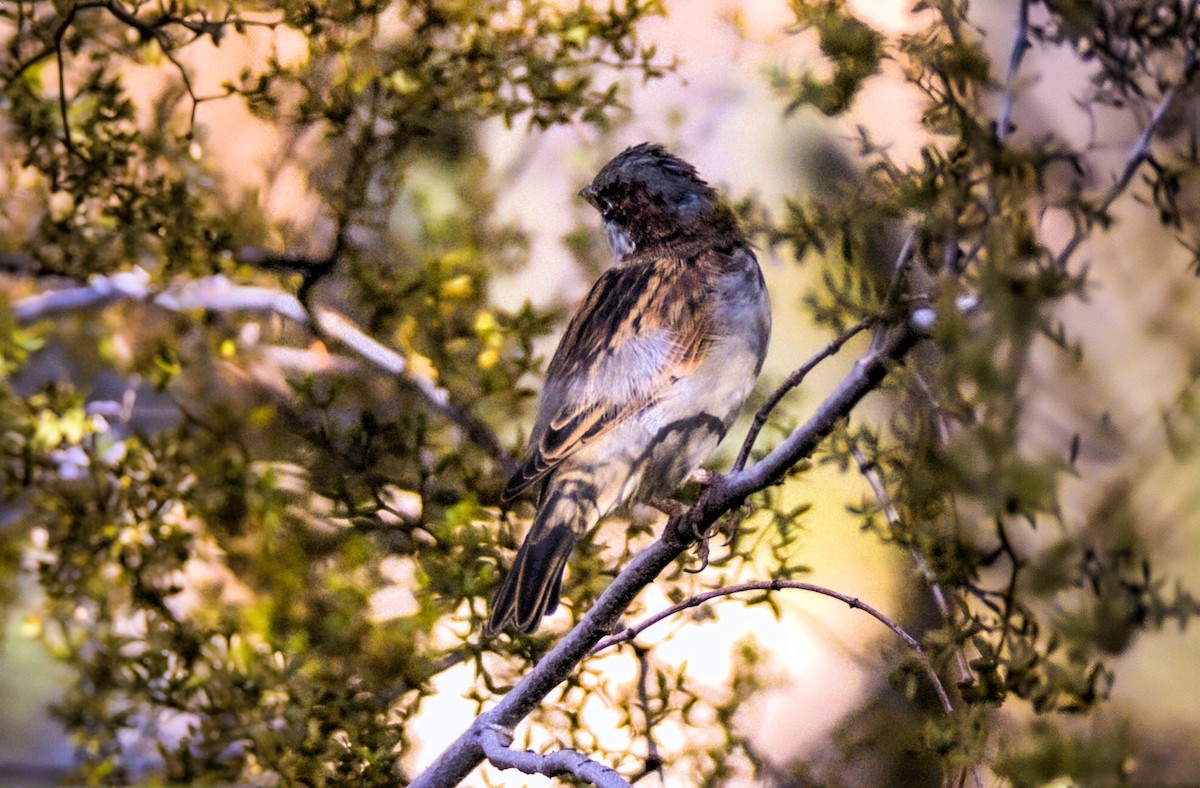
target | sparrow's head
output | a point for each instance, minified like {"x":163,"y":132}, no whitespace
{"x":647,"y":198}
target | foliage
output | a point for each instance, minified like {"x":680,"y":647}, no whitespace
{"x":208,"y":527}
{"x":1026,"y":618}
{"x":258,"y":554}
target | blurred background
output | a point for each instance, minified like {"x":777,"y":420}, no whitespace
{"x":1139,"y":322}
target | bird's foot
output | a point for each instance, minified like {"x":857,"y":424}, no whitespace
{"x":701,"y":553}
{"x":728,"y":525}
{"x":703,"y":477}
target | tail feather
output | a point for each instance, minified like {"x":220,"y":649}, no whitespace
{"x":531,"y":588}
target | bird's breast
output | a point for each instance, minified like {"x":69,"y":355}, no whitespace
{"x":684,"y":426}
{"x":651,"y":454}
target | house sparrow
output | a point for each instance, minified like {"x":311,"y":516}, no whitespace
{"x":652,"y":370}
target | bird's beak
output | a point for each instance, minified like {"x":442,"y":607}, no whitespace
{"x":588,"y":195}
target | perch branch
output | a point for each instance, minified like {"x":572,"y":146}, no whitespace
{"x":723,"y":495}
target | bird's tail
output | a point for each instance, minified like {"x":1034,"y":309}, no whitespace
{"x":532,"y":587}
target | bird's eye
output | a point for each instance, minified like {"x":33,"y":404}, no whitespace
{"x":603,"y":204}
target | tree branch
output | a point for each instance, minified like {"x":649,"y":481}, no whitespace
{"x":220,"y":294}
{"x":1139,"y":153}
{"x":653,"y":759}
{"x":793,"y":380}
{"x":1019,"y":48}
{"x":570,"y":762}
{"x":63,"y":102}
{"x":720,"y":497}
{"x":778,"y":585}
{"x":870,"y":471}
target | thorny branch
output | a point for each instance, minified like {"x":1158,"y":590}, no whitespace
{"x":1138,"y":155}
{"x":870,"y":471}
{"x":1019,"y":48}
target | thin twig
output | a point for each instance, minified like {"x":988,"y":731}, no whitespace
{"x":450,"y":660}
{"x":653,"y":760}
{"x":29,"y":62}
{"x":794,"y":380}
{"x":63,"y":103}
{"x":165,"y":48}
{"x":778,"y":585}
{"x":557,"y":763}
{"x":1139,"y":153}
{"x":798,"y":375}
{"x":127,"y":17}
{"x":900,"y":268}
{"x":870,"y":471}
{"x":48,"y":47}
{"x":205,"y":27}
{"x":1019,"y":48}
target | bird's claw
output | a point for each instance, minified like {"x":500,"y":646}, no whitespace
{"x":701,"y":551}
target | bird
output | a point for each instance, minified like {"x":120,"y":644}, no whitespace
{"x":651,"y":371}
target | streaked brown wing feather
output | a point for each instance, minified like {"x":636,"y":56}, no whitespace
{"x":650,"y":320}
{"x":548,"y":451}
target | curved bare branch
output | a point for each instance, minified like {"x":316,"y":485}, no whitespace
{"x":778,"y":585}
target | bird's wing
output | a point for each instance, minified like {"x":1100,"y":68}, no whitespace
{"x":643,"y":326}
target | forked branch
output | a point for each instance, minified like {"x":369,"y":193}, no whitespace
{"x":560,"y":762}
